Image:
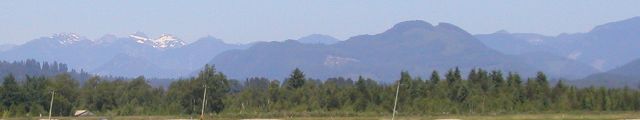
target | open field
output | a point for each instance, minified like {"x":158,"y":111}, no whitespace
{"x":555,"y":116}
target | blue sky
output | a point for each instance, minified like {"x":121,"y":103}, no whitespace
{"x":240,"y":21}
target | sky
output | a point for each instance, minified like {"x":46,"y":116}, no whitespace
{"x":244,"y":21}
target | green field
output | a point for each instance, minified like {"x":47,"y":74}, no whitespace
{"x":546,"y":116}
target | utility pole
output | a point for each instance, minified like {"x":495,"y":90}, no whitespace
{"x":51,"y":104}
{"x":396,"y":101}
{"x":204,"y":101}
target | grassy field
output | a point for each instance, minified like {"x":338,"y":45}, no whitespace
{"x":555,"y":116}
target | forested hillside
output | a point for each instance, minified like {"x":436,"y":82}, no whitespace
{"x":482,"y":92}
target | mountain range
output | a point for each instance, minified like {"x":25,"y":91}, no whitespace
{"x":414,"y":46}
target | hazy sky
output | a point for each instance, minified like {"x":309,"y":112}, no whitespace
{"x":239,"y":21}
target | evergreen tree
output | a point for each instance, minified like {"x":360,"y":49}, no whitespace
{"x":543,"y":89}
{"x":295,"y":80}
{"x":497,"y":79}
{"x":559,"y":97}
{"x":11,"y":93}
{"x":514,"y":80}
{"x":435,"y":77}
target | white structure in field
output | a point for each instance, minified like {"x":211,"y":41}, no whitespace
{"x":80,"y":113}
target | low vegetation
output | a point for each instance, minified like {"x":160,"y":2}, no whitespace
{"x":482,"y":95}
{"x":542,"y":116}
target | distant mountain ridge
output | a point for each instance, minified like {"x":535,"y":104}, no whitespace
{"x":318,"y":39}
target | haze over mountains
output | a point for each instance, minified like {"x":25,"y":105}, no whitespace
{"x":415,"y":46}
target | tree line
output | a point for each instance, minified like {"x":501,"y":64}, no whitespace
{"x":32,"y":67}
{"x":480,"y":92}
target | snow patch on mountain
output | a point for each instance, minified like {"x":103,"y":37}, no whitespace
{"x":334,"y":61}
{"x":66,"y":38}
{"x":574,"y":55}
{"x":140,"y":37}
{"x":162,"y":42}
{"x":535,"y":41}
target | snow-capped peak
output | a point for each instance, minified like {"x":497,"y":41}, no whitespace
{"x":66,"y":38}
{"x":164,"y":41}
{"x":167,"y":40}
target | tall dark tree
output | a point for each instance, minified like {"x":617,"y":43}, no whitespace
{"x":539,"y":90}
{"x":295,"y":80}
{"x":513,"y":80}
{"x":435,"y":77}
{"x":497,"y":79}
{"x":453,"y":76}
{"x":10,"y":93}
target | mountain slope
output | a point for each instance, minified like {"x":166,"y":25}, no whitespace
{"x":516,"y":43}
{"x":626,"y":75}
{"x":557,"y":66}
{"x":134,"y":66}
